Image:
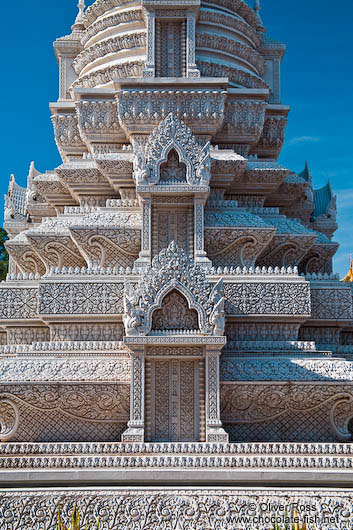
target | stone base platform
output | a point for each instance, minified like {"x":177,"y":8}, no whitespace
{"x":187,"y":508}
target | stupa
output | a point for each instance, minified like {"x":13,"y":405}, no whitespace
{"x":176,"y":351}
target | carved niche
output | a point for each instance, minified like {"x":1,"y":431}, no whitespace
{"x":173,"y":271}
{"x":175,"y":314}
{"x":172,"y":170}
{"x":172,"y":155}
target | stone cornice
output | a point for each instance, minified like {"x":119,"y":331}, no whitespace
{"x":109,"y":46}
{"x":211,"y":68}
{"x":236,"y":6}
{"x":98,"y":8}
{"x":324,"y":457}
{"x":229,"y":46}
{"x":220,"y":19}
{"x":108,"y":74}
{"x":110,"y":21}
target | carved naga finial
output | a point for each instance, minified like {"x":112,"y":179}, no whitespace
{"x":257,"y":6}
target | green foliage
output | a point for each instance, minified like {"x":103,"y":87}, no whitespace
{"x":75,"y":521}
{"x":4,"y":257}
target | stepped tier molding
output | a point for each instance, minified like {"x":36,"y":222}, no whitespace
{"x":170,"y":315}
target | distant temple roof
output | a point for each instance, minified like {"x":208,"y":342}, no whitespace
{"x":322,"y":198}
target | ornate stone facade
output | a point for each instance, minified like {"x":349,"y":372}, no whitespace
{"x":170,"y":315}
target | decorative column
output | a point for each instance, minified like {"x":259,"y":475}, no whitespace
{"x":214,"y":429}
{"x":276,"y":81}
{"x":199,"y":234}
{"x":136,"y":424}
{"x":150,"y":70}
{"x":191,"y":68}
{"x":146,"y":239}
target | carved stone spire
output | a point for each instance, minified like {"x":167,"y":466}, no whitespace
{"x":257,"y":8}
{"x":81,"y":7}
{"x":78,"y":22}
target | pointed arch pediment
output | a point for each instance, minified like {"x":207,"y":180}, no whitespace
{"x":173,"y":270}
{"x":172,"y":135}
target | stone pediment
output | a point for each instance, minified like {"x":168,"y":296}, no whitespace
{"x":173,"y":270}
{"x":152,"y":164}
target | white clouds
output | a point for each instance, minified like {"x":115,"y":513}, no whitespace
{"x":303,"y":140}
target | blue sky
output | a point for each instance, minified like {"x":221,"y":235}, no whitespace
{"x":317,"y":83}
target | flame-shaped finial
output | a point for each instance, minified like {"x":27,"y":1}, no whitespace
{"x":257,"y":6}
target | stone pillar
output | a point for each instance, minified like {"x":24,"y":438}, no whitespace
{"x":191,"y":68}
{"x":150,"y":70}
{"x":12,"y":268}
{"x":199,"y":234}
{"x":214,"y":429}
{"x":276,"y":81}
{"x":136,"y":425}
{"x":146,"y":239}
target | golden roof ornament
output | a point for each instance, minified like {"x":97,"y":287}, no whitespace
{"x":349,"y":277}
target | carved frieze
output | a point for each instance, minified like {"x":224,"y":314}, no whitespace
{"x":67,"y":134}
{"x":56,"y":250}
{"x":111,"y":247}
{"x":27,"y":260}
{"x":142,"y":110}
{"x":46,"y":369}
{"x":124,"y":17}
{"x":108,"y":46}
{"x":69,"y":411}
{"x":272,"y":137}
{"x":122,"y":507}
{"x":238,"y":7}
{"x":18,"y":303}
{"x":237,"y":247}
{"x":249,"y":403}
{"x":82,"y":331}
{"x":331,"y":303}
{"x":99,"y":402}
{"x":60,"y":298}
{"x":102,"y":76}
{"x":221,"y":19}
{"x":236,"y":76}
{"x":262,"y":331}
{"x":229,"y":46}
{"x":243,"y":121}
{"x":27,"y":335}
{"x":98,"y":120}
{"x":319,"y":258}
{"x":266,"y":298}
{"x":284,"y":369}
{"x":9,"y":419}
